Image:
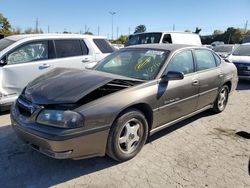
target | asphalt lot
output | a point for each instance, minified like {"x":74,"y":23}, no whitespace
{"x":203,"y":151}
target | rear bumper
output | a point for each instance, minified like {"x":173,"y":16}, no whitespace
{"x":77,"y":146}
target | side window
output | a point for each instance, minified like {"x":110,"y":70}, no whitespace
{"x":85,"y":49}
{"x":29,"y":52}
{"x":167,"y":39}
{"x":68,"y":48}
{"x":103,"y":46}
{"x":205,"y":60}
{"x":182,"y":62}
{"x":217,"y":59}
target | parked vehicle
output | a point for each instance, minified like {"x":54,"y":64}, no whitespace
{"x":164,"y":37}
{"x":25,"y":57}
{"x":224,"y":50}
{"x":131,"y":94}
{"x":241,"y":58}
{"x":246,"y":39}
{"x":216,"y":43}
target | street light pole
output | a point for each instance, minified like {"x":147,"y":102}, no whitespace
{"x":112,"y":14}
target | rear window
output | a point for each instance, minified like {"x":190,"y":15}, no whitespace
{"x":68,"y":48}
{"x":103,"y":45}
{"x":145,"y":38}
{"x":4,"y":43}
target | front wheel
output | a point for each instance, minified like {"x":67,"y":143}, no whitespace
{"x":221,"y":100}
{"x":127,"y":136}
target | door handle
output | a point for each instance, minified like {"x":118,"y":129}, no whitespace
{"x":44,"y":66}
{"x":195,"y":82}
{"x":220,"y":75}
{"x":85,"y":60}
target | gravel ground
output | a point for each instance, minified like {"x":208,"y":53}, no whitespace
{"x":203,"y":151}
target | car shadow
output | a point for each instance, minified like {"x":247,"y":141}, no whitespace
{"x":179,"y":125}
{"x":22,"y":166}
{"x":4,"y":112}
{"x":243,"y":85}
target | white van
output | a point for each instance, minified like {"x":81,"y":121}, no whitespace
{"x":25,"y":57}
{"x":164,"y":37}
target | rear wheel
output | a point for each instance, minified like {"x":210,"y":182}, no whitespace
{"x":127,"y":135}
{"x":221,"y":100}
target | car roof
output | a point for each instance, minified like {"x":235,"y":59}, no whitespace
{"x":168,"y":47}
{"x":165,"y":32}
{"x":44,"y":36}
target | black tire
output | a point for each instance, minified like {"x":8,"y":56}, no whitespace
{"x":125,"y":151}
{"x":219,"y":106}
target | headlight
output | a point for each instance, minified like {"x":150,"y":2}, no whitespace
{"x":59,"y":118}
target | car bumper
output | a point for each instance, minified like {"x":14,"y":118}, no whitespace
{"x":6,"y":102}
{"x":243,"y":70}
{"x":61,"y":146}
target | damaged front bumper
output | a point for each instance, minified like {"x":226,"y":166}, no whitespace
{"x":60,"y":143}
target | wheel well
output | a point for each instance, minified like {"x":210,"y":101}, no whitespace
{"x":145,"y":109}
{"x":229,"y":85}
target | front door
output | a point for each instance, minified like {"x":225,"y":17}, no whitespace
{"x":24,"y":64}
{"x":178,"y":97}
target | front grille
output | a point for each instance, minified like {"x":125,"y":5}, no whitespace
{"x":243,"y":68}
{"x":25,"y":107}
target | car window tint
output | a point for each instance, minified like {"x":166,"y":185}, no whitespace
{"x":167,"y":39}
{"x":85,"y":49}
{"x":68,"y":48}
{"x":29,"y":52}
{"x":182,"y":62}
{"x":205,"y":60}
{"x":103,"y":45}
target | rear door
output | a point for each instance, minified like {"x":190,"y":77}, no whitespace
{"x":25,"y":63}
{"x":104,"y":47}
{"x":71,"y":53}
{"x":178,"y":97}
{"x":210,"y":76}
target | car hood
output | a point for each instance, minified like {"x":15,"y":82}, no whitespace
{"x":239,"y":59}
{"x":62,"y":86}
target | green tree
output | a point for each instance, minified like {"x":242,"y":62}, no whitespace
{"x":6,"y":27}
{"x":197,"y":30}
{"x":217,"y":32}
{"x":88,"y":33}
{"x":122,"y":39}
{"x":140,"y":29}
{"x":16,"y":31}
{"x":32,"y":31}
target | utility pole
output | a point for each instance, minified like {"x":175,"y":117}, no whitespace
{"x":173,"y":27}
{"x":85,"y":28}
{"x":129,"y":31}
{"x":98,"y":30}
{"x":112,"y":15}
{"x":245,"y":30}
{"x":37,"y":25}
{"x":117,"y":32}
{"x":48,"y":29}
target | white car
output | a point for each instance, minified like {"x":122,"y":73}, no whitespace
{"x":241,"y":58}
{"x":25,"y":57}
{"x":165,"y":38}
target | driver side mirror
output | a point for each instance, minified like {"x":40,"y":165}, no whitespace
{"x":172,"y":75}
{"x":3,"y":61}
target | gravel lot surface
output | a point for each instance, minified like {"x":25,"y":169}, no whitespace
{"x":203,"y":151}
